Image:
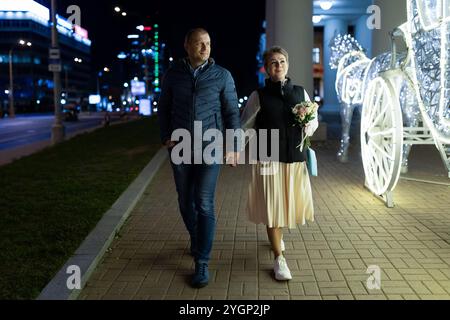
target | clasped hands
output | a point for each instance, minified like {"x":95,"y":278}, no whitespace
{"x":231,"y":158}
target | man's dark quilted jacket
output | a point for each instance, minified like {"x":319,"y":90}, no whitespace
{"x":210,"y":98}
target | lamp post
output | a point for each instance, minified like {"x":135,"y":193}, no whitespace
{"x":100,"y":74}
{"x":12,"y":112}
{"x":58,"y":127}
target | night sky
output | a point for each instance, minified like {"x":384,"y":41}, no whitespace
{"x":234,"y":27}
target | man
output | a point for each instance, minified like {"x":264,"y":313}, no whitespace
{"x":197,"y":89}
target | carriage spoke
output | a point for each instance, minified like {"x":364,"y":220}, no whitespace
{"x":380,"y":163}
{"x":386,"y":133}
{"x":380,"y":115}
{"x":376,"y":97}
{"x":373,"y":165}
{"x":383,"y":152}
{"x":381,"y":172}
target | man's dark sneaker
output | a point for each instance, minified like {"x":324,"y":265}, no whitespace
{"x":201,"y":276}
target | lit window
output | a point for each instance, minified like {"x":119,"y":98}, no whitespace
{"x":316,"y":55}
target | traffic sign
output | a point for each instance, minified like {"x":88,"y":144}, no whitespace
{"x":54,"y":67}
{"x":54,"y":53}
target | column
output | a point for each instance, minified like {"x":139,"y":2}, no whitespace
{"x":332,"y":28}
{"x":364,"y":35}
{"x":392,"y":14}
{"x":289,"y":25}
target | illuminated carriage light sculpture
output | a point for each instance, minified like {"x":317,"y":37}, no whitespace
{"x":404,"y":97}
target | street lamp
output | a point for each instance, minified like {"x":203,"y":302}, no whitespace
{"x":58,"y":130}
{"x":12,"y":112}
{"x":99,"y":74}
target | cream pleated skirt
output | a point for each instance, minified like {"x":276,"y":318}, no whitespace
{"x":280,"y":195}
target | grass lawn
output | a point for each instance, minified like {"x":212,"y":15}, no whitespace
{"x":51,"y":200}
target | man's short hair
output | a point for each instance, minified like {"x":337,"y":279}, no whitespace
{"x":192,"y":32}
{"x":275,"y":49}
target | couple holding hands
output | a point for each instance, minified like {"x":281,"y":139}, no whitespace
{"x":197,"y":89}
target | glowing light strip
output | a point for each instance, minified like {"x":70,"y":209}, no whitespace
{"x":342,"y":72}
{"x":340,"y":69}
{"x":18,"y":15}
{"x":422,"y":18}
{"x":444,"y":67}
{"x":63,"y":22}
{"x":345,"y":72}
{"x":446,"y":12}
{"x":441,"y":18}
{"x":25,"y":6}
{"x":81,"y":31}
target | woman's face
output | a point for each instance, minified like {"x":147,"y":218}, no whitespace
{"x":277,"y":67}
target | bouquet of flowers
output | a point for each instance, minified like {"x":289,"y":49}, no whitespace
{"x":304,"y":112}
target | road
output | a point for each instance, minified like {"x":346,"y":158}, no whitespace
{"x":24,"y":130}
{"x":25,"y":135}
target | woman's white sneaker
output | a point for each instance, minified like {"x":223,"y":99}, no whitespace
{"x":281,"y":269}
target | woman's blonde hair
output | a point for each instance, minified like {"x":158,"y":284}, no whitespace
{"x":275,"y":49}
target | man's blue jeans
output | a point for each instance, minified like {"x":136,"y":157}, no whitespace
{"x":196,"y":186}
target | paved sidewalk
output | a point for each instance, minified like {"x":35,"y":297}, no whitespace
{"x":328,"y":258}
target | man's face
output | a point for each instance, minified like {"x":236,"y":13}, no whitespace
{"x":199,"y":47}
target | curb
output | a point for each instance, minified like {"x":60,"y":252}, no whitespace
{"x":91,"y":251}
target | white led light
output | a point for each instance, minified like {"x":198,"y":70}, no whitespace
{"x":316,"y":19}
{"x":326,"y":4}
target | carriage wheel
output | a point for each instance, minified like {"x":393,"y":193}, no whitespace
{"x":381,"y":136}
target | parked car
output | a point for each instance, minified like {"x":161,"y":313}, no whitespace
{"x":70,"y":112}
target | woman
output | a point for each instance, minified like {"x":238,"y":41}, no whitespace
{"x":283,"y":197}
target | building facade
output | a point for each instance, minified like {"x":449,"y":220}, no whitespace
{"x":25,"y":36}
{"x":307,"y":40}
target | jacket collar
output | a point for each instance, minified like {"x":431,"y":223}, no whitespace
{"x":279,"y":87}
{"x":187,"y":66}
